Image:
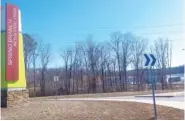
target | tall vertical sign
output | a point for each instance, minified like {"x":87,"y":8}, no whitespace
{"x":12,"y":43}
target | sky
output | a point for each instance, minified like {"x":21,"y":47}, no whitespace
{"x":61,"y":23}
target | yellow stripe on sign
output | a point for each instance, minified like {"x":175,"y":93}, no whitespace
{"x":21,"y":82}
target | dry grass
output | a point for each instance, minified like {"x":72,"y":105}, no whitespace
{"x":113,"y":94}
{"x":77,"y":110}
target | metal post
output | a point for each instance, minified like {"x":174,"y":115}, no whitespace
{"x":153,"y":94}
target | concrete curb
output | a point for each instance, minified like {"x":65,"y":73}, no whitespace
{"x":156,"y":96}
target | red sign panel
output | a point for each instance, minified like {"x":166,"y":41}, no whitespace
{"x":12,"y":48}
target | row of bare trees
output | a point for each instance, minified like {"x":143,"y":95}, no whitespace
{"x":104,"y":66}
{"x":109,"y":61}
{"x":163,"y":51}
{"x":36,"y":55}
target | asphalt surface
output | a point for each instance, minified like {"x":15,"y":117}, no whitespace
{"x":173,"y":99}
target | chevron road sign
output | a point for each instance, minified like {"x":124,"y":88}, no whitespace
{"x":150,"y":58}
{"x":150,"y":61}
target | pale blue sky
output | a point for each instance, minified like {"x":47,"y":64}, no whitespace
{"x":64,"y":22}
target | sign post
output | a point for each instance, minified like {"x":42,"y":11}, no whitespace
{"x":56,"y":79}
{"x":147,"y":63}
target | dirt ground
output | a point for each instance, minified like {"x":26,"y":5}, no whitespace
{"x":113,"y":94}
{"x":78,"y":110}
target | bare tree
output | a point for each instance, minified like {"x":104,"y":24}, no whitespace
{"x":71,"y":81}
{"x":34,"y":57}
{"x":169,"y":59}
{"x":114,"y":79}
{"x":138,"y":47}
{"x":115,"y":44}
{"x":93,"y":57}
{"x":126,"y":55}
{"x":77,"y":66}
{"x":121,"y":45}
{"x":29,"y":46}
{"x":110,"y":73}
{"x":85,"y":68}
{"x":161,"y":50}
{"x":66,"y":58}
{"x":45,"y":54}
{"x":104,"y":53}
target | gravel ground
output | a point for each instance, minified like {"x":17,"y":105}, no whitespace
{"x":79,"y":110}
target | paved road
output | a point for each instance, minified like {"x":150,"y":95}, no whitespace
{"x":174,"y":99}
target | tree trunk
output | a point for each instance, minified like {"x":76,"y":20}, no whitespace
{"x":43,"y":83}
{"x":34,"y":77}
{"x":102,"y":79}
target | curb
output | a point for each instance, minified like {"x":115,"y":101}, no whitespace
{"x":155,"y":96}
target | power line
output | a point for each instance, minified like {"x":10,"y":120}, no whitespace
{"x":154,"y":26}
{"x":147,"y":33}
{"x":134,"y":27}
{"x":84,"y":41}
{"x":65,"y":49}
{"x":81,"y":42}
{"x":176,"y":32}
